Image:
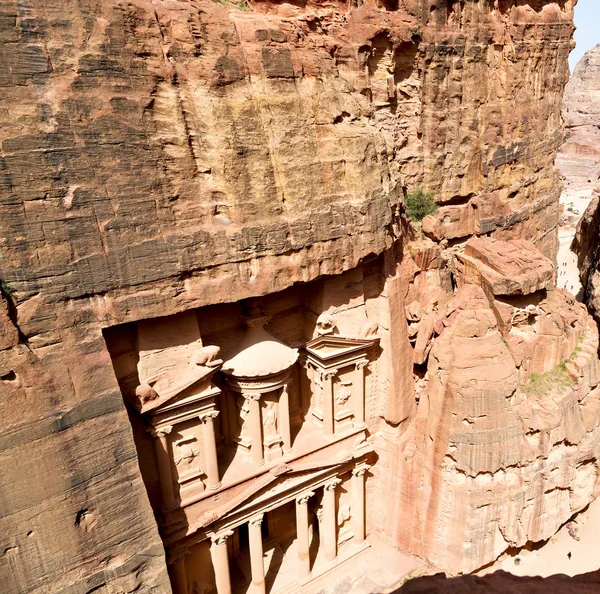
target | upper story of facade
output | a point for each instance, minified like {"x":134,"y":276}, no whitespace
{"x":223,"y":399}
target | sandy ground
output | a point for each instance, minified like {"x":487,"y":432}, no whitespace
{"x":575,"y":204}
{"x":553,"y":556}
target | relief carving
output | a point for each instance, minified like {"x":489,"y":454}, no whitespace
{"x":270,"y":421}
{"x":344,"y":392}
{"x":186,"y":454}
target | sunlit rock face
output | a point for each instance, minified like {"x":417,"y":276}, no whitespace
{"x":168,"y":156}
{"x":505,"y":438}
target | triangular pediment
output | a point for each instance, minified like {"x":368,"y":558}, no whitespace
{"x":279,"y":489}
{"x":330,"y":346}
{"x":170,"y":388}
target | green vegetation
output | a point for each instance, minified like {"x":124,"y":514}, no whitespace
{"x":556,"y":379}
{"x":5,"y":289}
{"x":419,"y":204}
{"x":242,"y":5}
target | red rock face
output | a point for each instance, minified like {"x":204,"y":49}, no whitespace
{"x":162,"y":156}
{"x":507,"y":416}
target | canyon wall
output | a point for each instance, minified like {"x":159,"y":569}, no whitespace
{"x":164,"y":156}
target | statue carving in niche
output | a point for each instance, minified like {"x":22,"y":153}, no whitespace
{"x":343,"y":521}
{"x":344,"y":392}
{"x":186,"y":456}
{"x":244,"y":411}
{"x":270,"y":421}
{"x":318,"y":390}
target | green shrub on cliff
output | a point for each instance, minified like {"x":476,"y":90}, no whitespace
{"x":557,"y":379}
{"x":419,"y":204}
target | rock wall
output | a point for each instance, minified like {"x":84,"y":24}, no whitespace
{"x":168,"y":155}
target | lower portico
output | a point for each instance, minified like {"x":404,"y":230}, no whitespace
{"x":296,"y":530}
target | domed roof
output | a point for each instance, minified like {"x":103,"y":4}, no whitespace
{"x":259,"y":354}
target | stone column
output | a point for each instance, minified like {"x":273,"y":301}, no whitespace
{"x":302,"y":535}
{"x":211,"y":462}
{"x":358,"y":503}
{"x":328,"y":408}
{"x":329,"y":535}
{"x":256,"y":554}
{"x":164,"y":459}
{"x":177,"y":572}
{"x":284,"y":419}
{"x":220,"y":561}
{"x":256,"y":429}
{"x":359,"y":393}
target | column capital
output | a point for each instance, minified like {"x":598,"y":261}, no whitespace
{"x":332,"y":484}
{"x":251,"y":395}
{"x":329,"y":373}
{"x":210,"y":415}
{"x":303,"y":499}
{"x":160,"y":431}
{"x":221,"y":537}
{"x":360,"y":469}
{"x":362,"y":364}
{"x":256,"y":521}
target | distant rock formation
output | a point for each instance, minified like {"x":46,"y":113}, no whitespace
{"x":579,"y":157}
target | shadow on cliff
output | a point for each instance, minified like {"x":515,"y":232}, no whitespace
{"x":501,"y":582}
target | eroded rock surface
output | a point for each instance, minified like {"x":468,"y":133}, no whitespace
{"x":507,"y":430}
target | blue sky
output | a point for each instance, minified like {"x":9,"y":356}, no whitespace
{"x":587,"y":21}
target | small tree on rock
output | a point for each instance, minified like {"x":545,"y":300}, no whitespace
{"x":419,"y":204}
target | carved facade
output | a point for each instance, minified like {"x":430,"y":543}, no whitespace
{"x":255,"y":455}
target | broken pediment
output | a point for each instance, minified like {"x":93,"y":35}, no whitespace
{"x":172,"y":360}
{"x":330,"y":350}
{"x":178,"y":381}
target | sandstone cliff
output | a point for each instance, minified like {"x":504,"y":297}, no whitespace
{"x":160,"y":156}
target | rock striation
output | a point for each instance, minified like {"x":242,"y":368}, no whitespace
{"x":169,"y":158}
{"x":508,"y":416}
